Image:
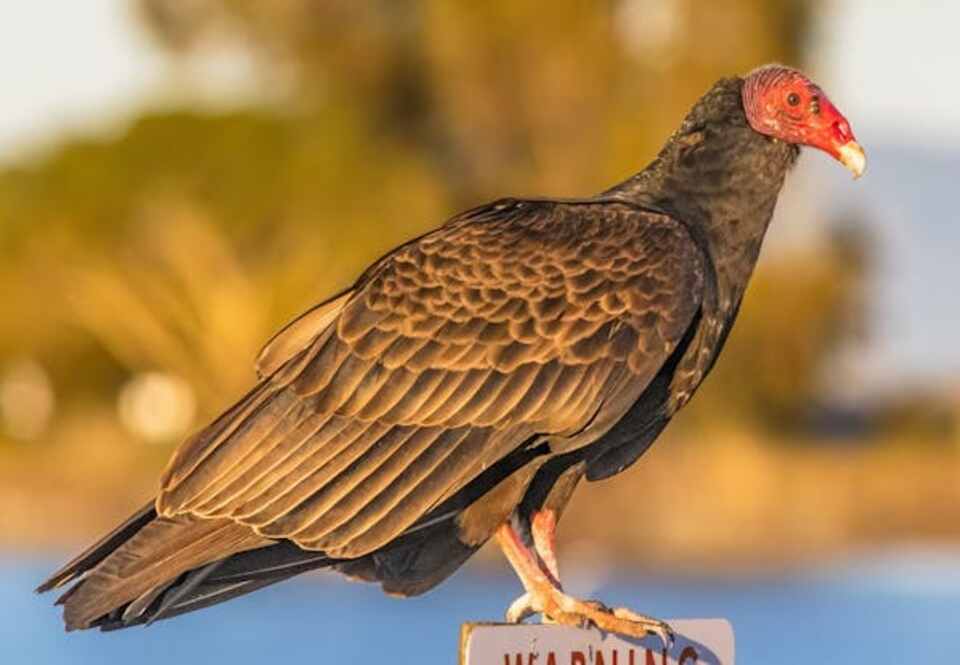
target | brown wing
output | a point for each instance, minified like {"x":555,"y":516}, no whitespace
{"x":520,"y":318}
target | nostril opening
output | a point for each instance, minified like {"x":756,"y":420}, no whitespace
{"x":841,"y":131}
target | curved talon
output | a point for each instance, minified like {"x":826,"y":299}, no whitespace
{"x":626,"y":622}
{"x":654,"y":626}
{"x":520,"y":609}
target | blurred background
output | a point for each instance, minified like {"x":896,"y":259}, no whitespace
{"x":178,"y":178}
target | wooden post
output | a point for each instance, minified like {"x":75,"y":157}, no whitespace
{"x":699,"y":642}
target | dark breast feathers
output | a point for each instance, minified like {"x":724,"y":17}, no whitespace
{"x":520,"y":320}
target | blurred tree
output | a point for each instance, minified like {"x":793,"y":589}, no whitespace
{"x":140,"y":240}
{"x":504,"y":95}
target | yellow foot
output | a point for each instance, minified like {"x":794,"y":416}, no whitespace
{"x":557,"y":607}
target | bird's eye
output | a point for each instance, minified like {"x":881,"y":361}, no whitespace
{"x":793,"y":99}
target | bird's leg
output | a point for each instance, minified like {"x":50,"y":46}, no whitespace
{"x":537,"y":569}
{"x":543,"y":526}
{"x":538,"y":562}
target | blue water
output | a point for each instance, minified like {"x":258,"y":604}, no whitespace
{"x":901,"y":609}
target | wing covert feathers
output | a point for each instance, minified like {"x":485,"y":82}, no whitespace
{"x":296,"y":335}
{"x":519,"y":318}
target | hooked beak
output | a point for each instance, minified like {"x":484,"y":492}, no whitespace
{"x":851,"y":155}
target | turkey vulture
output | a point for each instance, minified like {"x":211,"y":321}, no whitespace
{"x":469,"y":380}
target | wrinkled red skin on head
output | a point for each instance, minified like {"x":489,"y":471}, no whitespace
{"x":814,"y":121}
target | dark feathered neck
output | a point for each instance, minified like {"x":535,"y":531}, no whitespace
{"x":721,"y":178}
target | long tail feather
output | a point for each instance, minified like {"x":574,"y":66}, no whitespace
{"x":215,"y":583}
{"x":100,"y":550}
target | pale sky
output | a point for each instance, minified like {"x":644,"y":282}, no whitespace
{"x":69,"y":65}
{"x":88,"y":65}
{"x":894,"y":65}
{"x":891,"y":65}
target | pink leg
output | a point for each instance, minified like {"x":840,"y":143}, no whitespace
{"x":544,"y":529}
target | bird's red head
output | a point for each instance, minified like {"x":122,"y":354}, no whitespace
{"x":783,"y":103}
